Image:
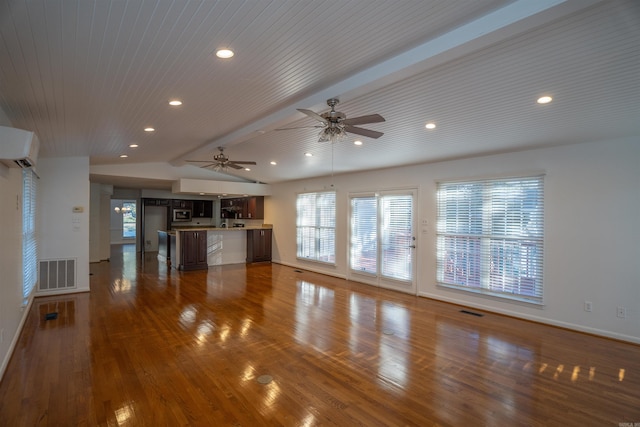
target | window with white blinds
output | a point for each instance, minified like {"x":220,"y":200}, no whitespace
{"x":491,"y":237}
{"x":316,"y":226}
{"x":364,"y":234}
{"x":29,"y":240}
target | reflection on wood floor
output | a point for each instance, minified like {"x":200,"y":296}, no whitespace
{"x":157,"y":347}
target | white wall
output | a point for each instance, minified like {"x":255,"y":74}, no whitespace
{"x":592,"y":207}
{"x":64,"y":184}
{"x":12,"y":314}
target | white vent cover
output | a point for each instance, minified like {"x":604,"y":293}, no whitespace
{"x":56,"y":274}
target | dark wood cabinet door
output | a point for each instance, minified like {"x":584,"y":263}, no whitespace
{"x":259,"y":245}
{"x":202,"y":209}
{"x":255,"y":207}
{"x":194,"y":250}
{"x":201,"y":254}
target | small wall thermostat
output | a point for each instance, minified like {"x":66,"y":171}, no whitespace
{"x":78,"y":209}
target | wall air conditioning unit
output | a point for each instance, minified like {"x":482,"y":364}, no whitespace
{"x":18,"y":148}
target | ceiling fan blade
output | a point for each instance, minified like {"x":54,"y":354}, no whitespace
{"x":199,"y":161}
{"x":242,"y":163}
{"x":371,"y":118}
{"x":301,"y":127}
{"x":234,"y":165}
{"x":208,"y":165}
{"x":364,"y":132}
{"x":313,"y":115}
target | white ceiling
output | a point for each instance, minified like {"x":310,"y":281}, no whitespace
{"x":88,"y":76}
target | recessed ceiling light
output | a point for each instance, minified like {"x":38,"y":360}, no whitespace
{"x":149,"y":129}
{"x":247,"y":169}
{"x":357,"y":142}
{"x":545,"y":99}
{"x":133,"y":145}
{"x":175,"y":102}
{"x":123,"y":155}
{"x":430,"y":125}
{"x":202,"y":194}
{"x":308,"y":154}
{"x":224,"y":53}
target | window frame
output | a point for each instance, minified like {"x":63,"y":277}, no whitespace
{"x":29,"y":234}
{"x":320,"y":230}
{"x":490,"y":235}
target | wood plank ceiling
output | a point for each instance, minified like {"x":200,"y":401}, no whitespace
{"x":89,"y":76}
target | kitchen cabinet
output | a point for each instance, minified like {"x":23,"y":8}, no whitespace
{"x":259,"y":245}
{"x":183,"y":204}
{"x":232,"y":208}
{"x":202,"y":209}
{"x":255,"y":207}
{"x":193,"y":250}
{"x":156,"y":202}
{"x":242,"y":208}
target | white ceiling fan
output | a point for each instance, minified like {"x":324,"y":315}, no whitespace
{"x":335,"y":125}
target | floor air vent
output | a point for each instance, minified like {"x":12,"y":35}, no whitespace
{"x":471,"y":313}
{"x":55,"y":274}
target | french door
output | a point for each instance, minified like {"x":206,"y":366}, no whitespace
{"x":382,"y":239}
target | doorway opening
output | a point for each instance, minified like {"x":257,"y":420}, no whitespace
{"x":123,"y":221}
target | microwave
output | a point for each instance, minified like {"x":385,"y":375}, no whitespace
{"x":181,"y":215}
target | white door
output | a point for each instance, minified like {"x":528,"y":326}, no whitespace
{"x":382,"y":240}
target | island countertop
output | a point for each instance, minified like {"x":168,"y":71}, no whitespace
{"x":209,"y":228}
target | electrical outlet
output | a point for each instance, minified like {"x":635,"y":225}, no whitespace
{"x":621,"y":312}
{"x":588,"y":306}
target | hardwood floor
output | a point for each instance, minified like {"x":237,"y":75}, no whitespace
{"x":150,"y":346}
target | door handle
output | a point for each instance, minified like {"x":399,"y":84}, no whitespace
{"x":412,"y":246}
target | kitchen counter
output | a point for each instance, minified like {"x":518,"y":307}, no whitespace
{"x":198,"y":247}
{"x":205,"y":228}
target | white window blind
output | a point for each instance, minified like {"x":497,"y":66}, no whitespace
{"x":491,"y":237}
{"x":315,"y":226}
{"x":29,"y":239}
{"x":364,"y":235}
{"x":397,"y":236}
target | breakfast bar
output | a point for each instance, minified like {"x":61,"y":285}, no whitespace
{"x":197,"y":248}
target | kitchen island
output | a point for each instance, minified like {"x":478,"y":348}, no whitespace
{"x":197,"y":248}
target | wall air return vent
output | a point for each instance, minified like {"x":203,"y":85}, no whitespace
{"x":56,"y":274}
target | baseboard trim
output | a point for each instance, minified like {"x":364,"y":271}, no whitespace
{"x":16,"y":337}
{"x":307,"y":268}
{"x":537,"y":319}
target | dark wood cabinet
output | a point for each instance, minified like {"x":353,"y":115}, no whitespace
{"x":259,"y":245}
{"x":255,"y":207}
{"x":156,"y":202}
{"x":202,"y":209}
{"x":183,"y":204}
{"x":232,"y":208}
{"x":242,"y":208}
{"x":193,"y":250}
